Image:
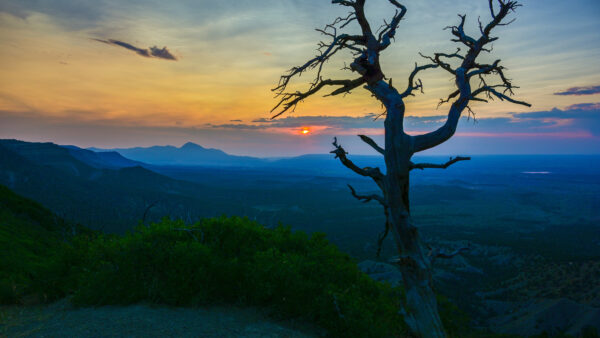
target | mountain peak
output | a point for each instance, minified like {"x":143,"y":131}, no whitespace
{"x":191,"y":145}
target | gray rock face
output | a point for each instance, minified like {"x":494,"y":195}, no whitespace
{"x":548,"y":315}
{"x":382,"y":272}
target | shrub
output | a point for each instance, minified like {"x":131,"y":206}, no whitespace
{"x":238,"y":261}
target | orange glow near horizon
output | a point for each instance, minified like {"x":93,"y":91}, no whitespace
{"x":64,"y":83}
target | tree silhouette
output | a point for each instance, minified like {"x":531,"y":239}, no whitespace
{"x":415,"y":258}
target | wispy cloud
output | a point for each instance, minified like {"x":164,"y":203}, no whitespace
{"x":577,"y":117}
{"x":585,"y":106}
{"x":580,"y":91}
{"x":336,"y":122}
{"x":568,"y":130}
{"x":239,"y":126}
{"x":578,"y":120}
{"x":161,"y":53}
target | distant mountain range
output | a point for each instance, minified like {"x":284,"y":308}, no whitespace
{"x":102,"y":160}
{"x":193,"y":155}
{"x":190,"y":154}
{"x":103,"y":190}
{"x":106,"y":190}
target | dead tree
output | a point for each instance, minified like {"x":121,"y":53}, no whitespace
{"x":474,"y":81}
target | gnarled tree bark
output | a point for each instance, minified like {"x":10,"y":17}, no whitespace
{"x":415,"y":258}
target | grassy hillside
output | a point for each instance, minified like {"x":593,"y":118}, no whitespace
{"x":30,"y":237}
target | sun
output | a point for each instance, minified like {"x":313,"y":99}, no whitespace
{"x":305,"y":131}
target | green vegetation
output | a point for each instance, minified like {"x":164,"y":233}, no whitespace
{"x":216,"y":261}
{"x":30,"y":239}
{"x":234,"y":260}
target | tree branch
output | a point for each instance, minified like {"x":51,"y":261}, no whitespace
{"x":469,"y":68}
{"x":367,"y":198}
{"x":438,"y":166}
{"x":310,"y":64}
{"x":443,"y":133}
{"x":485,"y":69}
{"x":418,"y":85}
{"x":459,"y":32}
{"x":290,"y":100}
{"x":372,"y":143}
{"x":385,"y":232}
{"x":147,"y":209}
{"x":340,"y":153}
{"x":344,"y":3}
{"x":326,"y":51}
{"x":491,"y":91}
{"x":389,"y":30}
{"x":436,"y":59}
{"x":365,"y":48}
{"x":359,"y":10}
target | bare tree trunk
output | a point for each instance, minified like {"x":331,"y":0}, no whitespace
{"x":421,"y":313}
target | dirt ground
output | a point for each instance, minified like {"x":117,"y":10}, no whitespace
{"x":62,"y":320}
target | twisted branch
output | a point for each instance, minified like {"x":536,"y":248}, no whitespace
{"x":367,"y":198}
{"x":418,"y":84}
{"x":372,"y":143}
{"x":290,"y":100}
{"x":438,"y":166}
{"x":389,"y":30}
{"x":385,"y":231}
{"x":459,"y":32}
{"x":340,"y":153}
{"x":365,"y":49}
{"x":467,"y":70}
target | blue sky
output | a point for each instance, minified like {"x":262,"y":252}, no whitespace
{"x":137,"y":73}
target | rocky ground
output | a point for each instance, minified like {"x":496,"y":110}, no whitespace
{"x":62,"y":320}
{"x":505,"y":311}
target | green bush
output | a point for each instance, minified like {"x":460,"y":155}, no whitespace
{"x":237,"y":261}
{"x":30,"y":237}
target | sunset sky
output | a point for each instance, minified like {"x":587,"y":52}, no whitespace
{"x":110,"y":73}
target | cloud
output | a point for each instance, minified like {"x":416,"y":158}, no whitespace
{"x":577,"y":117}
{"x":161,"y":53}
{"x":566,"y":131}
{"x":579,"y":120}
{"x":339,"y":125}
{"x":334,"y":122}
{"x":585,"y":106}
{"x":580,"y":91}
{"x":580,"y":110}
{"x":73,"y":15}
{"x":239,"y":126}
